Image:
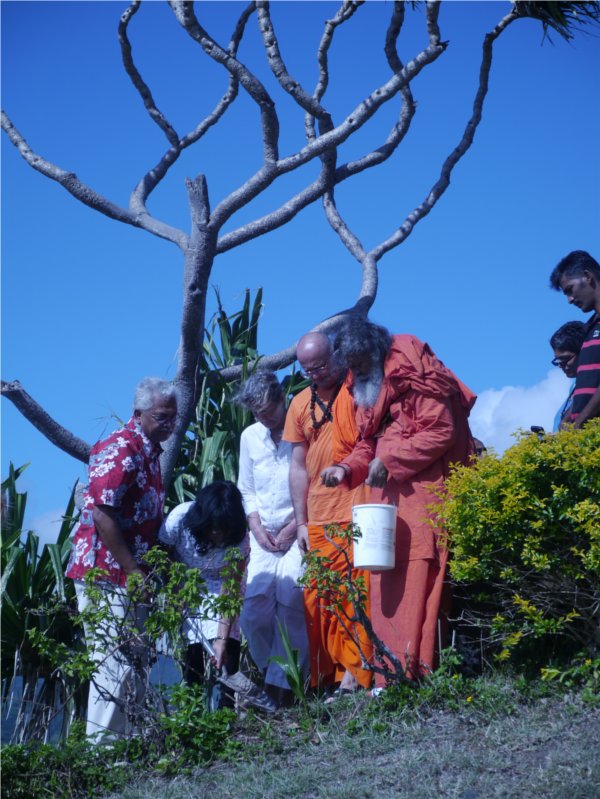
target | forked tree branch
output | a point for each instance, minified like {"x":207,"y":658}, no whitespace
{"x":184,"y":13}
{"x":86,"y":195}
{"x":399,"y":83}
{"x":152,"y":178}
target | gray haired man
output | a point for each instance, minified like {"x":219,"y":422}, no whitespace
{"x":120,"y":518}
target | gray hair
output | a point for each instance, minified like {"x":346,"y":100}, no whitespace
{"x":149,"y":390}
{"x":359,"y":338}
{"x":259,"y":390}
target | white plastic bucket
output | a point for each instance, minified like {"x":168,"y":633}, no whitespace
{"x":376,"y":548}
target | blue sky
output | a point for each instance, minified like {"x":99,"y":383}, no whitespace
{"x":89,"y":306}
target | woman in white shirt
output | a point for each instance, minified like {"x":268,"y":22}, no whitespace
{"x":272,"y":591}
{"x":201,"y":534}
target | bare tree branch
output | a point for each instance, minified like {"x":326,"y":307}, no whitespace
{"x":283,"y":358}
{"x":292,"y":87}
{"x":86,"y":195}
{"x":277,"y":218}
{"x":347,"y":237}
{"x":232,"y":89}
{"x":295,"y":204}
{"x":366,"y":109}
{"x":467,"y":139}
{"x":48,"y":427}
{"x":345,"y":12}
{"x":278,"y":68}
{"x":151,"y":180}
{"x":184,"y":13}
{"x":136,"y":78}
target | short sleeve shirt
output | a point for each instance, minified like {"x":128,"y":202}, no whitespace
{"x":124,"y":474}
{"x":209,"y":560}
{"x":587,"y":379}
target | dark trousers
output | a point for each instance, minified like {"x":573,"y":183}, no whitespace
{"x":193,"y":672}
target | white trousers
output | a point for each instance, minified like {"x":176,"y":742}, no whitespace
{"x":116,"y":686}
{"x":273,"y":595}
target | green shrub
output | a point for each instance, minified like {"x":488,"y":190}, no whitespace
{"x":75,"y":768}
{"x":524,"y":534}
{"x":191,"y":734}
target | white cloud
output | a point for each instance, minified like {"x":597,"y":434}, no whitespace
{"x":500,"y":412}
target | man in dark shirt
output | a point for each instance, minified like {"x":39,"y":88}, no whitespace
{"x":578,"y":277}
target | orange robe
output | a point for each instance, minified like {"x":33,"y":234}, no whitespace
{"x":417,"y":427}
{"x":332,"y":650}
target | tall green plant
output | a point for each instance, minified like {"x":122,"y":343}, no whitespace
{"x":210,"y":450}
{"x":32,"y":587}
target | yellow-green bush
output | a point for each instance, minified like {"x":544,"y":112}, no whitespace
{"x":524,"y":533}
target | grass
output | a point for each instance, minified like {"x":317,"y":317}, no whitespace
{"x":500,"y":740}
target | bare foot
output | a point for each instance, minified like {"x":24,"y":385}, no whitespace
{"x":349,"y":682}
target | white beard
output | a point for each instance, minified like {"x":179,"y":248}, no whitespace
{"x":366,"y":387}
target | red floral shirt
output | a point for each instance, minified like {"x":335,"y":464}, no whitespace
{"x":124,"y":473}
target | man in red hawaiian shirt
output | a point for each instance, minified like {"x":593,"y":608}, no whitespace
{"x":121,"y":515}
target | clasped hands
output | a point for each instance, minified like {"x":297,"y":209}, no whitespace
{"x":376,"y":477}
{"x":279,"y":542}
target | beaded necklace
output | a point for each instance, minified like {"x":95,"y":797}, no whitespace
{"x":325,"y":408}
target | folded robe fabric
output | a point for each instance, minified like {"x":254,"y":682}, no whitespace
{"x":332,"y":648}
{"x":418,"y":427}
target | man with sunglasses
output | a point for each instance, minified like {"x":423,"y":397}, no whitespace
{"x":121,"y":514}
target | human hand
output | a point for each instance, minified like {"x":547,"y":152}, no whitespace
{"x":138,"y":585}
{"x":302,"y":537}
{"x":266,"y":539}
{"x":378,"y":474}
{"x":332,"y":476}
{"x":220,"y":648}
{"x":286,"y":536}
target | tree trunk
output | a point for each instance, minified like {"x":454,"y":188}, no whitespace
{"x":199,"y":257}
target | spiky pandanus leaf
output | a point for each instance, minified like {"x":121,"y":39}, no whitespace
{"x":33,"y":595}
{"x":565,"y":18}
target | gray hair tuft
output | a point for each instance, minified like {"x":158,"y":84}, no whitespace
{"x":149,"y":390}
{"x":259,"y":390}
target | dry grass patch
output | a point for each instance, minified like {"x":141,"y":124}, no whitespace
{"x":548,"y":749}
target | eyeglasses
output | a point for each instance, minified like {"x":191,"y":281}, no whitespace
{"x":161,"y":419}
{"x":563,"y":361}
{"x":314,"y":370}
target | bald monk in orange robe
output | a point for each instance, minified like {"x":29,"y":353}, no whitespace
{"x":335,"y":657}
{"x":412,"y":419}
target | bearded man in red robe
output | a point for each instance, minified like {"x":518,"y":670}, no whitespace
{"x":412,"y":418}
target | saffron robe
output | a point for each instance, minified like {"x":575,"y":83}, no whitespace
{"x":332,"y":649}
{"x":418,"y":427}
